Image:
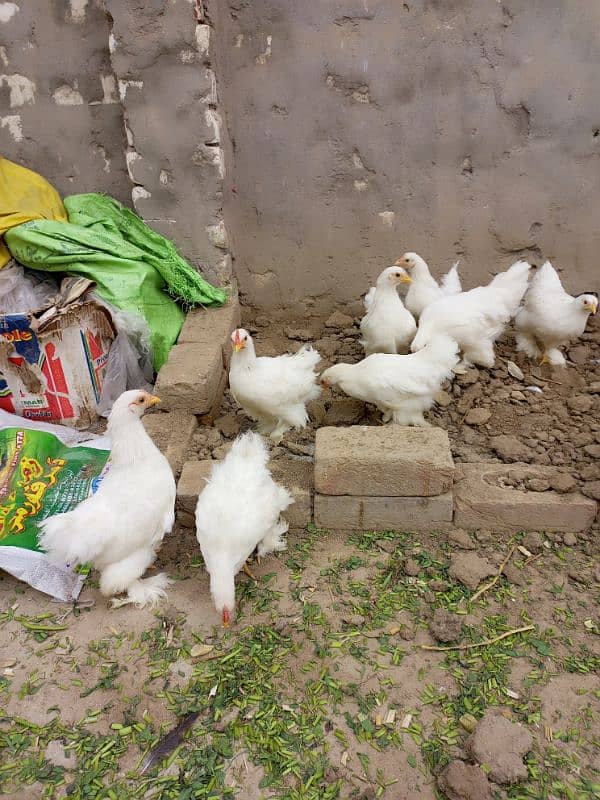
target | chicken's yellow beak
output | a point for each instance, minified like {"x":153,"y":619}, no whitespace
{"x":591,"y":307}
{"x":153,"y":400}
{"x":405,"y":279}
{"x":238,"y":346}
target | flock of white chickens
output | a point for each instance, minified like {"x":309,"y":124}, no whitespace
{"x":119,"y":529}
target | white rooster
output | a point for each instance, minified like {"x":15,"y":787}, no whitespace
{"x":273,"y":391}
{"x":475,"y":319}
{"x":387,"y":327}
{"x":550,"y":317}
{"x":237,"y":511}
{"x":120,"y":527}
{"x":424,"y":288}
{"x":402,"y":387}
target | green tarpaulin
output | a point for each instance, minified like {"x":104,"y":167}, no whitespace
{"x":134,"y":267}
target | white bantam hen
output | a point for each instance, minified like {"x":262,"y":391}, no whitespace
{"x":120,"y":527}
{"x":387,"y":327}
{"x":402,"y":387}
{"x":273,"y":390}
{"x":550,"y":317}
{"x":475,"y":319}
{"x":237,"y":511}
{"x":424,"y":288}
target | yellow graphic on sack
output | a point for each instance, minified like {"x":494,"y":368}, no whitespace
{"x":34,"y":482}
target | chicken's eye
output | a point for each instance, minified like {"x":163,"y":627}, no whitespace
{"x":141,"y":399}
{"x":245,"y":338}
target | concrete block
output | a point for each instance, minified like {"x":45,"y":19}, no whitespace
{"x":481,"y":502}
{"x":294,"y":475}
{"x":215,"y":410}
{"x":171,"y":432}
{"x":383,"y":513}
{"x":297,"y":477}
{"x":386,"y":461}
{"x":190,"y":378}
{"x":204,"y":326}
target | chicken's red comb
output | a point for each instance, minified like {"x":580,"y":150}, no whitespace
{"x":237,"y":338}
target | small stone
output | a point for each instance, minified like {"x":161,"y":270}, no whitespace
{"x":462,"y":539}
{"x":407,"y":633}
{"x":470,"y":569}
{"x":591,"y":489}
{"x":534,"y":542}
{"x":317,"y":412}
{"x":514,"y":575}
{"x":339,"y":320}
{"x":299,"y":334}
{"x":438,"y":586}
{"x":443,"y":399}
{"x":517,"y":395}
{"x":563,"y":482}
{"x":594,"y":387}
{"x":501,"y":745}
{"x":537,"y":484}
{"x":220,"y":452}
{"x":228,"y":424}
{"x":460,"y":781}
{"x":411,"y":567}
{"x":577,"y":575}
{"x":445,"y":626}
{"x":509,"y":448}
{"x":262,"y":322}
{"x":569,"y":539}
{"x":580,"y":403}
{"x":593,"y":450}
{"x":478,"y":416}
{"x":579,"y":354}
{"x":55,"y":754}
{"x":470,"y":377}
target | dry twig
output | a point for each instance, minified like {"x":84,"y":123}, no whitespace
{"x":485,"y":642}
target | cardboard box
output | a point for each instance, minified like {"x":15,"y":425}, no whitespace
{"x":52,"y":363}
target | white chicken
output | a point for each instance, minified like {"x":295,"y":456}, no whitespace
{"x":402,"y":387}
{"x":424,"y":288}
{"x":387,"y":327}
{"x":475,"y":319}
{"x":550,"y":317}
{"x":237,"y":511}
{"x":273,"y":391}
{"x":120,"y":527}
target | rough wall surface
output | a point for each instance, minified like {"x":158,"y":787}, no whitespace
{"x":59,"y":107}
{"x":160,"y":55}
{"x":118,"y":96}
{"x":364,"y":128}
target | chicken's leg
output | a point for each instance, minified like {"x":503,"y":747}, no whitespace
{"x":246,"y":569}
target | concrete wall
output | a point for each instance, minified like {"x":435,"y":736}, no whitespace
{"x":330,"y":136}
{"x":119,"y":97}
{"x":364,"y":128}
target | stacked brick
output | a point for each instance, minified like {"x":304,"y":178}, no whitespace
{"x":382,"y":478}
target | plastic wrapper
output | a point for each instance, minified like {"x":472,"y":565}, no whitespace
{"x":41,"y":476}
{"x":21,"y":293}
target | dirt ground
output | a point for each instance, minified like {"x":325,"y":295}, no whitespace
{"x":322,"y":687}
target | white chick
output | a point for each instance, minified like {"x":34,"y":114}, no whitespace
{"x":120,"y":527}
{"x":424,"y":288}
{"x":237,"y":511}
{"x":550,"y":317}
{"x":475,"y":319}
{"x":387,"y":327}
{"x":402,"y":387}
{"x":273,"y":391}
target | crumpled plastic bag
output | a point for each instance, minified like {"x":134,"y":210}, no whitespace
{"x":21,"y":293}
{"x":129,"y":363}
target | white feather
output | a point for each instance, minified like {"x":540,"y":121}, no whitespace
{"x":401,"y":386}
{"x":550,"y":317}
{"x":387,"y":327}
{"x":273,"y":391}
{"x":424,"y":288}
{"x":237,"y":511}
{"x":121,"y":526}
{"x":475,"y":319}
